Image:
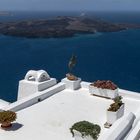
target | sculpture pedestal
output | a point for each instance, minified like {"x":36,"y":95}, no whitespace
{"x":70,"y":84}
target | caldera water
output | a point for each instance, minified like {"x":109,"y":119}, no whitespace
{"x":104,"y":56}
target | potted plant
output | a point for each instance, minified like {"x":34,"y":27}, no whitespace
{"x":71,"y":81}
{"x":85,"y":130}
{"x":115,"y":111}
{"x":104,"y":88}
{"x":6,"y":117}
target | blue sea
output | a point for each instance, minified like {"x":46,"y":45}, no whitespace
{"x":105,"y":56}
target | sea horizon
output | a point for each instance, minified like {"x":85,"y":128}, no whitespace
{"x":112,"y":16}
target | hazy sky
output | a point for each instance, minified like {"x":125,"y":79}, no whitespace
{"x":70,"y":5}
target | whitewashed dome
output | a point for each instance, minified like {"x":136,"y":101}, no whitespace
{"x":38,"y":76}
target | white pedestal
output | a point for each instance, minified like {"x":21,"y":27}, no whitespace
{"x":73,"y":85}
{"x":27,"y":88}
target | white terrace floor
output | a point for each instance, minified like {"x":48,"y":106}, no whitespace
{"x":3,"y":103}
{"x":52,"y":118}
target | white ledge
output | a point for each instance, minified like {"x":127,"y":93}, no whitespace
{"x":35,"y":98}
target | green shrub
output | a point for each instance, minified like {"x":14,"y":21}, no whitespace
{"x":116,"y":105}
{"x":118,"y":100}
{"x":7,"y":116}
{"x":86,"y":129}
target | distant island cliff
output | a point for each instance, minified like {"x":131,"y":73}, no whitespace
{"x":60,"y":27}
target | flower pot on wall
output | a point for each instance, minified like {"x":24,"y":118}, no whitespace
{"x":107,"y":93}
{"x":113,"y":116}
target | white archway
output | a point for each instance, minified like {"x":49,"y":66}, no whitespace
{"x":37,"y":76}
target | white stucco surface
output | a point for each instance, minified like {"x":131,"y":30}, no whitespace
{"x":27,"y":88}
{"x":69,"y":84}
{"x":51,"y":118}
{"x":3,"y":104}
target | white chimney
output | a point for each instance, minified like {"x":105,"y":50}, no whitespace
{"x":34,"y":81}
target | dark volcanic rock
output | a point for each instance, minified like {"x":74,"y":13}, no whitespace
{"x":59,"y":27}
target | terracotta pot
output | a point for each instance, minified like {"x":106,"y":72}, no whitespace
{"x":6,"y":124}
{"x":71,"y":77}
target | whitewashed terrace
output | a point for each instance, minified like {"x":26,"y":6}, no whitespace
{"x":51,"y":118}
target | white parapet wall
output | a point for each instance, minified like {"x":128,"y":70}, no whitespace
{"x":120,"y":128}
{"x":35,"y":98}
{"x":135,"y":133}
{"x":130,"y":94}
{"x":85,"y":84}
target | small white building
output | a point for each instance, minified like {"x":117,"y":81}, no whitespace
{"x":34,"y":81}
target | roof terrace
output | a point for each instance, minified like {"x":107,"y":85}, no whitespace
{"x":47,"y":109}
{"x":52,"y":117}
